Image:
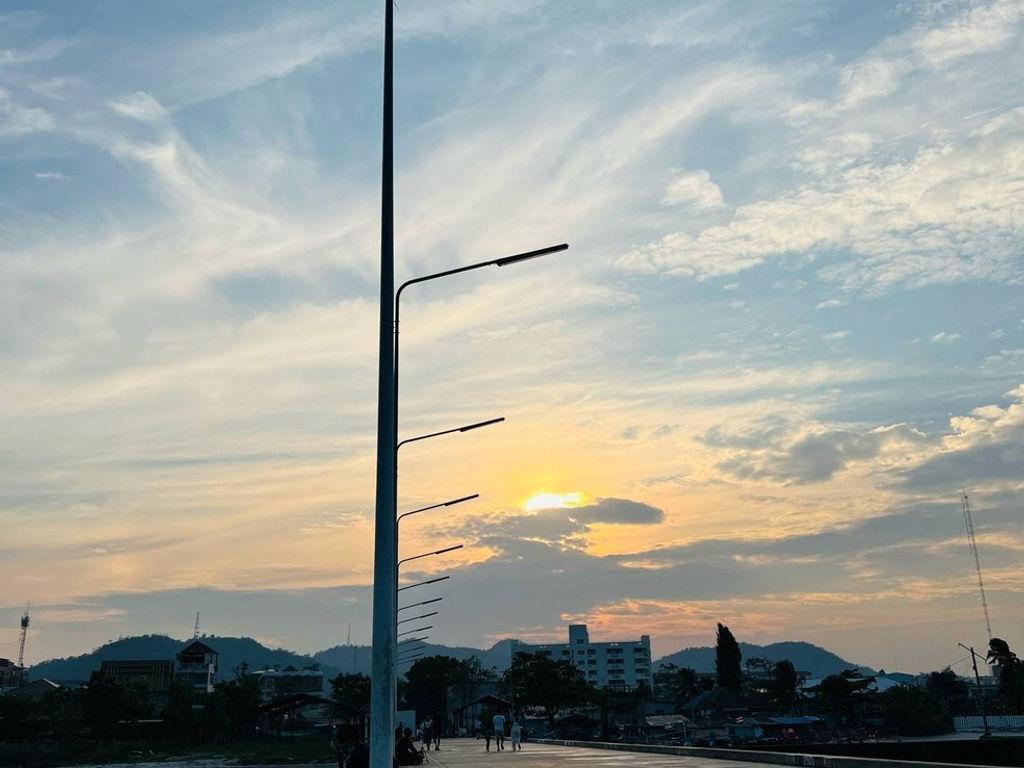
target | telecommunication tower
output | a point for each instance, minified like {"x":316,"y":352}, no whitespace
{"x":969,"y":525}
{"x":195,"y":633}
{"x":24,"y":634}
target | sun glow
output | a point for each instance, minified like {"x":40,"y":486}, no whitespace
{"x":553,"y":500}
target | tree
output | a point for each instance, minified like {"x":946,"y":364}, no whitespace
{"x":727,"y":659}
{"x":952,"y":692}
{"x":237,"y":704}
{"x":913,"y":711}
{"x":678,"y":684}
{"x":843,"y":694}
{"x":108,"y":702}
{"x":785,"y":681}
{"x":427,"y":684}
{"x":1011,"y":672}
{"x":351,"y":691}
{"x":536,"y":680}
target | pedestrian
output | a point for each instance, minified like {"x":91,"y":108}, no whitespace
{"x":487,"y":737}
{"x":435,"y":728}
{"x":476,"y":728}
{"x":517,"y":736}
{"x":499,"y":731}
{"x":428,"y":732}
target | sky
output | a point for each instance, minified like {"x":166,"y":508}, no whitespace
{"x":788,"y":330}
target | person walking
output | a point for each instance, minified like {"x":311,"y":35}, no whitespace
{"x":426,"y":733}
{"x":436,"y":727}
{"x":517,"y":736}
{"x":499,"y":731}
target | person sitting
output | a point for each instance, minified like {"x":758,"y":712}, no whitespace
{"x":406,"y":752}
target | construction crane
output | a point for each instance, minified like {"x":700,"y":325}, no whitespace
{"x":969,"y":525}
{"x":24,"y":634}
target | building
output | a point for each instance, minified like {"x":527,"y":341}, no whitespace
{"x":197,"y":665}
{"x":154,"y":674}
{"x":37,"y":690}
{"x":277,"y":683}
{"x":621,"y":664}
{"x":11,"y":675}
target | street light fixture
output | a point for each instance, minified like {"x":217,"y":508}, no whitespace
{"x":429,"y":554}
{"x":413,"y":639}
{"x":449,"y":503}
{"x":423,"y":583}
{"x":421,"y":616}
{"x":423,"y":602}
{"x":414,"y":631}
{"x":407,"y":659}
{"x":467,"y":428}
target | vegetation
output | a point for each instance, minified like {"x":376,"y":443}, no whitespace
{"x":727,"y":659}
{"x":536,"y":680}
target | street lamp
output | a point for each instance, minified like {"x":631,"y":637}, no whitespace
{"x":423,"y":583}
{"x":423,"y":602}
{"x":429,"y":554}
{"x":421,"y":616}
{"x":450,"y":503}
{"x":407,"y":659}
{"x":501,"y":262}
{"x":414,"y":631}
{"x":467,"y":428}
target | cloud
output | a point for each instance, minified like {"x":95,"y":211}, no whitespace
{"x":951,"y":213}
{"x":984,"y":448}
{"x":51,"y":176}
{"x":945,"y":338}
{"x":140,"y":106}
{"x":695,"y":190}
{"x":619,"y":512}
{"x":17,"y":119}
{"x":811,"y":458}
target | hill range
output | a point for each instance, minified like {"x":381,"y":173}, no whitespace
{"x":236,"y":651}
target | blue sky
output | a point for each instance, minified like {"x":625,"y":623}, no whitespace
{"x":788,"y":330}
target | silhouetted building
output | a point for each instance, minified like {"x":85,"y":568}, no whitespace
{"x":154,"y":674}
{"x":197,"y":665}
{"x":276,"y":683}
{"x":621,"y":664}
{"x":36,"y":690}
{"x":11,"y":675}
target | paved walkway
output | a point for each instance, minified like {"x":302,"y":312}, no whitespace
{"x":469,"y":753}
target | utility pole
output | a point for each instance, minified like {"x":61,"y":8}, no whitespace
{"x":981,"y":692}
{"x":382,"y":676}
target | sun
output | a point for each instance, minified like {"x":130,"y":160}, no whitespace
{"x":553,"y":500}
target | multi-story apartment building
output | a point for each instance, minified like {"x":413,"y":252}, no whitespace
{"x":617,"y":664}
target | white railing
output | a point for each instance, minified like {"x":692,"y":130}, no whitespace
{"x":995,"y":722}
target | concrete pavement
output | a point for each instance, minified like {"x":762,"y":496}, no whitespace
{"x":469,"y":753}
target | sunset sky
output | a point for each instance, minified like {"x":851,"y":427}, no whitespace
{"x":789,"y":328}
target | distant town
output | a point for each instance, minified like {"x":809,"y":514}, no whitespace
{"x":216,"y":691}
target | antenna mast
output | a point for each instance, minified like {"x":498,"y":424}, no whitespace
{"x":24,"y":634}
{"x":969,"y":525}
{"x":195,"y":633}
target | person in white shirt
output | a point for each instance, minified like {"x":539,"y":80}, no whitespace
{"x":499,"y":731}
{"x":517,"y":736}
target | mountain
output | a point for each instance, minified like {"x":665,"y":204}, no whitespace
{"x":356,"y":658}
{"x":805,"y":657}
{"x":233,"y":652}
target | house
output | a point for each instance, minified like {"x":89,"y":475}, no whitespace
{"x":276,"y":682}
{"x":197,"y":665}
{"x":717,"y":703}
{"x":11,"y":675}
{"x":154,"y":674}
{"x":36,"y":690}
